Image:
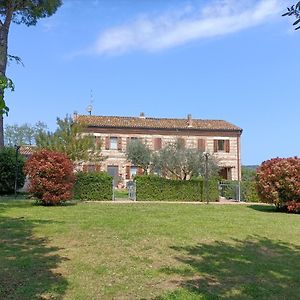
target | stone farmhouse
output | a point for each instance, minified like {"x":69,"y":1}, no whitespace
{"x":217,"y":137}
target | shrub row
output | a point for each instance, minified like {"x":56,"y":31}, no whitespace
{"x":93,"y":186}
{"x":8,"y":170}
{"x":155,"y":188}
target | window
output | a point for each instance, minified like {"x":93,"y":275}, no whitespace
{"x":133,"y":171}
{"x":91,"y":168}
{"x":113,"y":143}
{"x":222,"y":146}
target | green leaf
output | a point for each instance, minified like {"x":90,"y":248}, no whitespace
{"x":296,"y":22}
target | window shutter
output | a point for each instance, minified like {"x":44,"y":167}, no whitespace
{"x":181,"y":142}
{"x":107,"y":143}
{"x":139,"y":171}
{"x":201,"y":145}
{"x":98,"y":168}
{"x":157,"y":144}
{"x":215,"y":145}
{"x":127,"y":172}
{"x":227,"y":146}
{"x":119,"y":143}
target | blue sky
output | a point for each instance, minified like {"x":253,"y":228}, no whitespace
{"x":232,"y":60}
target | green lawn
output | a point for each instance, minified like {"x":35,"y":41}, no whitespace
{"x":148,"y":251}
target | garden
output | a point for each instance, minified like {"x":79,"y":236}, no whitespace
{"x":92,"y":250}
{"x":57,"y":246}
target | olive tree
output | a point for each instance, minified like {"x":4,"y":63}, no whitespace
{"x":139,"y":154}
{"x":177,"y":161}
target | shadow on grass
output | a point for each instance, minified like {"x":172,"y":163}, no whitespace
{"x":256,"y":268}
{"x":29,"y":267}
{"x":264,"y":208}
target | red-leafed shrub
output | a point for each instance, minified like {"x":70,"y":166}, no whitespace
{"x":51,"y":176}
{"x":278,"y":182}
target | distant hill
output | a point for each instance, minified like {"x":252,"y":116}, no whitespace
{"x":251,"y":167}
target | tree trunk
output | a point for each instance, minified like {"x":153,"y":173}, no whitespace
{"x":3,"y":64}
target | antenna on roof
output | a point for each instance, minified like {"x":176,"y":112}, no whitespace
{"x":90,"y":106}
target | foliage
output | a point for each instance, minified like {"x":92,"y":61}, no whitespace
{"x":8,"y":170}
{"x":176,"y":161}
{"x":139,"y":154}
{"x":93,"y":186}
{"x":294,"y":11}
{"x":5,"y":83}
{"x":24,"y":134}
{"x":69,"y":139}
{"x":155,"y":188}
{"x":51,"y":176}
{"x":278,"y":182}
{"x":249,"y":173}
{"x":28,"y":11}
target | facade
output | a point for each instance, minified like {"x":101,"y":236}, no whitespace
{"x":217,"y":137}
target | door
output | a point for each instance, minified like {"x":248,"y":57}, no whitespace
{"x":114,"y":172}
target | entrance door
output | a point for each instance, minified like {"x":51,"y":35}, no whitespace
{"x":114,"y":172}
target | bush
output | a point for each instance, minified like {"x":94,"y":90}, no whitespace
{"x":155,"y":188}
{"x":51,"y":176}
{"x":93,"y":186}
{"x":278,"y":182}
{"x":8,"y":170}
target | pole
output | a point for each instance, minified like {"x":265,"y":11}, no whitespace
{"x":16,"y":170}
{"x":206,"y":177}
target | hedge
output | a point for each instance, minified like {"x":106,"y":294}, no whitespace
{"x":8,"y":170}
{"x":155,"y":188}
{"x":93,"y":186}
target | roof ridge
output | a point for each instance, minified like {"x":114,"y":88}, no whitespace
{"x":150,"y":118}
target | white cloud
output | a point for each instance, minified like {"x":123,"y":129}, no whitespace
{"x":175,"y":28}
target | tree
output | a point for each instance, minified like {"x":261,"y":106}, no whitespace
{"x":51,"y":176}
{"x":18,"y":11}
{"x":294,"y":11}
{"x":24,"y":134}
{"x":139,"y":154}
{"x":8,"y":170}
{"x":69,"y":138}
{"x":176,"y":161}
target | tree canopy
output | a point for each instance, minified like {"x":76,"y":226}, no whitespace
{"x":26,"y":11}
{"x":177,"y":161}
{"x":294,"y":10}
{"x":139,"y":154}
{"x":70,"y":139}
{"x":24,"y":134}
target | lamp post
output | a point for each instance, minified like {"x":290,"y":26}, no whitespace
{"x":206,"y":155}
{"x":16,"y":169}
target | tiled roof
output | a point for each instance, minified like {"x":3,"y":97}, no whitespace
{"x":154,"y":123}
{"x":27,"y":150}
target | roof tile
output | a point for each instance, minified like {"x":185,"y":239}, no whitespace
{"x":155,"y":123}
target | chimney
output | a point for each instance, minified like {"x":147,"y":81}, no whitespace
{"x":75,"y":115}
{"x":190,"y":120}
{"x":142,"y":115}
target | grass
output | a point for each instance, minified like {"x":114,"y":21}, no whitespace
{"x":147,"y":251}
{"x":121,"y":193}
